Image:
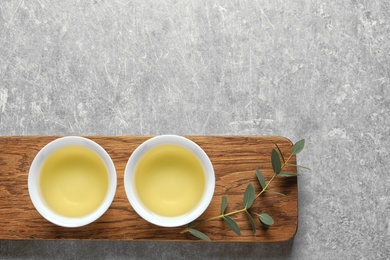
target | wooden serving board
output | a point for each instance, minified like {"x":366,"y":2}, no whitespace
{"x":234,"y":159}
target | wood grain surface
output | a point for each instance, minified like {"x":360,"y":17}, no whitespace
{"x":234,"y":159}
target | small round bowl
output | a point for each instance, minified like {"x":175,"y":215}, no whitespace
{"x":35,"y":190}
{"x":134,"y":198}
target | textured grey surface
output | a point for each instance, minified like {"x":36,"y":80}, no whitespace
{"x":301,"y":69}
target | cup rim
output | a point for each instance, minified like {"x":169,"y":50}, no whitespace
{"x":130,"y":190}
{"x":33,"y":182}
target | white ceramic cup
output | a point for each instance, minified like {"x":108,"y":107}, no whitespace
{"x":141,"y":209}
{"x":34,"y":187}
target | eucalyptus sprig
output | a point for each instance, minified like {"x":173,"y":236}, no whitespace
{"x":278,"y":163}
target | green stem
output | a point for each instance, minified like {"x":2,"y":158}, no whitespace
{"x":184,"y":230}
{"x":221,"y":216}
{"x":285,"y":162}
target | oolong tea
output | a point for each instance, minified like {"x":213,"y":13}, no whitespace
{"x":73,"y":181}
{"x":169,"y":180}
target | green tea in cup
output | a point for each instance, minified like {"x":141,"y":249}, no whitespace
{"x":72,"y":181}
{"x":169,"y":180}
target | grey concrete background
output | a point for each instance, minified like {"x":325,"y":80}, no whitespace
{"x":317,"y":70}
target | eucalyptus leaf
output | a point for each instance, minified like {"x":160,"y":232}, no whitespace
{"x":251,"y":221}
{"x":199,"y":234}
{"x":280,"y":152}
{"x":266,"y":220}
{"x":261,"y":179}
{"x":279,"y":193}
{"x":298,"y":147}
{"x":275,"y":159}
{"x":297,"y":165}
{"x":232,"y":224}
{"x":249,"y":196}
{"x":224,"y":204}
{"x":287,"y":174}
